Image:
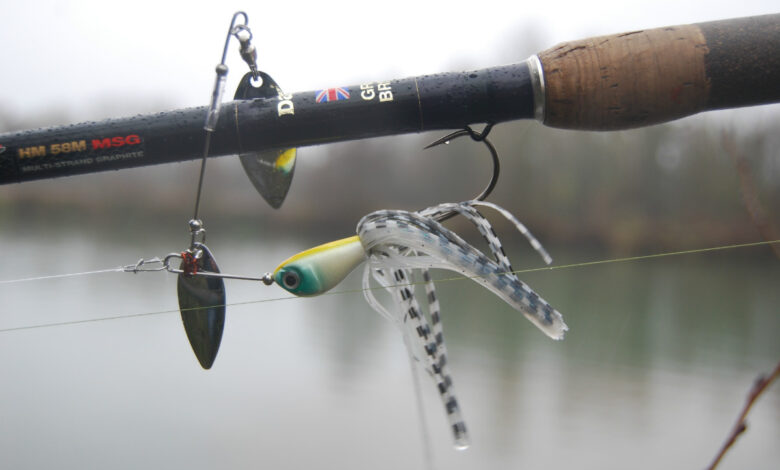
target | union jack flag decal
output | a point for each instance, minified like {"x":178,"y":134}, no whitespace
{"x":332,"y":94}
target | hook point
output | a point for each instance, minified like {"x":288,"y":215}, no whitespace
{"x":447,"y":138}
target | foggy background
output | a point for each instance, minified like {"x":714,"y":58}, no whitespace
{"x":659,"y":357}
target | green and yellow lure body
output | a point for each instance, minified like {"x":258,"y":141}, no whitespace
{"x":319,"y":269}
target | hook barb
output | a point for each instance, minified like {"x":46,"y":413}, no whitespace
{"x":447,"y":138}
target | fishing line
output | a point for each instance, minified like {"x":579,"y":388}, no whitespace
{"x":60,"y":276}
{"x":137,"y":315}
{"x":354,"y":291}
{"x":644,"y":257}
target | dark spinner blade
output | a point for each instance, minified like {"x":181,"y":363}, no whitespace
{"x":202,"y":306}
{"x":270,"y":171}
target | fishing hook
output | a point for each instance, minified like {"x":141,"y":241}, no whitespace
{"x":477,"y":137}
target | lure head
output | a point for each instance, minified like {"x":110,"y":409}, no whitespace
{"x":319,"y":269}
{"x":299,"y":279}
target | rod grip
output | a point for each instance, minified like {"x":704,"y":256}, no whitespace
{"x":640,"y":78}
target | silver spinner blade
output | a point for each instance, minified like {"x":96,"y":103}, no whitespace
{"x":202,"y":306}
{"x":270,"y":171}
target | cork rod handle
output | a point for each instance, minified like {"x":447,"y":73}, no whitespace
{"x":640,"y":78}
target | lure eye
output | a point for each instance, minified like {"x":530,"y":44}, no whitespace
{"x":291,"y":280}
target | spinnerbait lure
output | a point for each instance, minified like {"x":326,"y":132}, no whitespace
{"x":394,"y":244}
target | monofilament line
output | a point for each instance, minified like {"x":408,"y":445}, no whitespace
{"x":646,"y":257}
{"x":61,"y":276}
{"x":353,"y":291}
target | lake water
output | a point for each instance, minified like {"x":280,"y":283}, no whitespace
{"x":652,"y":374}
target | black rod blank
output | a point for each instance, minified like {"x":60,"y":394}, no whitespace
{"x":441,"y":101}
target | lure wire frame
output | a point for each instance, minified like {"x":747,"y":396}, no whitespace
{"x":157,"y":264}
{"x":198,"y":232}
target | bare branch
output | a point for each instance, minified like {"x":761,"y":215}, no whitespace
{"x":761,"y":384}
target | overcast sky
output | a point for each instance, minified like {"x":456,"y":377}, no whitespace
{"x":149,"y":55}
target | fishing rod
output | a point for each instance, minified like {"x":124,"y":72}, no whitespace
{"x":622,"y":81}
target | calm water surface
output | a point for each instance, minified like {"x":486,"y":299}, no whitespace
{"x":655,"y":367}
